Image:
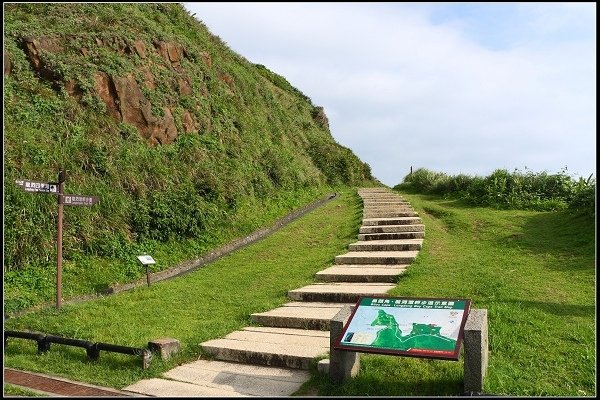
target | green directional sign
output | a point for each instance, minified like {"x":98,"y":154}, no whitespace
{"x":406,"y":326}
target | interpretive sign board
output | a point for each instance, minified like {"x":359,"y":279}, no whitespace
{"x":406,"y":326}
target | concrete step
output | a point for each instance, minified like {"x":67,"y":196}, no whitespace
{"x":391,"y":236}
{"x":371,"y":210}
{"x":378,"y":195}
{"x":391,"y":221}
{"x":387,"y":245}
{"x":385,"y":203}
{"x":388,"y":214}
{"x":223,"y":379}
{"x":376,"y":257}
{"x":391,"y":204}
{"x":302,"y":315}
{"x":361,"y":273}
{"x":392,"y":228}
{"x":279,"y":347}
{"x":338,"y":292}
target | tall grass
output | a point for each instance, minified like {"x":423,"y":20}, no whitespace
{"x":525,"y":190}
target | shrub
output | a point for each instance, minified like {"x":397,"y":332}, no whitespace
{"x":503,"y":189}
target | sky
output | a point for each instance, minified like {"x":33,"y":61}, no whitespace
{"x":452,"y":87}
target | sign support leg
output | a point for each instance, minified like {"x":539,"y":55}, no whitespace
{"x":61,"y":180}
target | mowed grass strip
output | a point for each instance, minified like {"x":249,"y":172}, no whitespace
{"x":535,"y":274}
{"x":202,"y":305}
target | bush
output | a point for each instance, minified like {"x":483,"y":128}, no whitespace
{"x":503,"y":189}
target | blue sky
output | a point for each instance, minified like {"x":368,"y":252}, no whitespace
{"x":452,"y":87}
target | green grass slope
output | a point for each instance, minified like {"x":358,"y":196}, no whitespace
{"x":186,"y":143}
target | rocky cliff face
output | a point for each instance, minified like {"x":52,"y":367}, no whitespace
{"x":122,"y":95}
{"x":147,"y":109}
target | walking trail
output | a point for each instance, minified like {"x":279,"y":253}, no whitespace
{"x":273,"y":359}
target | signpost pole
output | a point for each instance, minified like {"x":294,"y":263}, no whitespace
{"x":61,"y":180}
{"x":70,"y":200}
{"x":147,"y":276}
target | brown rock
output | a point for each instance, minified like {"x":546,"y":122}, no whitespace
{"x":134,"y":107}
{"x":84,"y":51}
{"x":148,"y":77}
{"x":74,"y":89}
{"x":184,"y":86}
{"x":33,"y":46}
{"x":206,"y":58}
{"x":227,"y":79}
{"x":173,"y":52}
{"x":104,"y":86}
{"x":7,"y":64}
{"x":165,"y":131}
{"x":140,"y":48}
{"x":188,"y":122}
{"x":162,"y":49}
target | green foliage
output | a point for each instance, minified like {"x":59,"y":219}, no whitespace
{"x":252,"y":152}
{"x":502,"y":189}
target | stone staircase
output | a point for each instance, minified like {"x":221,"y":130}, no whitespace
{"x":293,"y":335}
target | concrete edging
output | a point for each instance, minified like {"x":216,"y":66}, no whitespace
{"x":191,"y":265}
{"x":237,"y":244}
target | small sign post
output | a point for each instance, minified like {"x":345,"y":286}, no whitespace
{"x":57,"y":188}
{"x":147,"y":260}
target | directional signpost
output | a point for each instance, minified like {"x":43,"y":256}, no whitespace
{"x":63,"y":199}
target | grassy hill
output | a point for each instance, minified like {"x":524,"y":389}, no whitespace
{"x":186,"y":143}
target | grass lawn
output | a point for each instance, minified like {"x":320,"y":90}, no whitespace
{"x":202,"y":305}
{"x":533,"y":271}
{"x":535,"y":274}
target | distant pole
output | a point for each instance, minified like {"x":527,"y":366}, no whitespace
{"x":411,"y":170}
{"x":61,"y":180}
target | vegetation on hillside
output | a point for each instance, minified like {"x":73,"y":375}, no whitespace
{"x":506,"y":190}
{"x":186,"y":143}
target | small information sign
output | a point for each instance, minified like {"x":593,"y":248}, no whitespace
{"x":37,"y":187}
{"x":406,"y":326}
{"x":78,"y":200}
{"x":146,"y":260}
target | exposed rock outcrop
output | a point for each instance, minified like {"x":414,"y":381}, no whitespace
{"x":122,"y":95}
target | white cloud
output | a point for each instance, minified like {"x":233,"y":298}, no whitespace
{"x":401,"y":91}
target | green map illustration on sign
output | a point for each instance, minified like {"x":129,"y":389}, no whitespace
{"x":414,"y":327}
{"x":422,"y":336}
